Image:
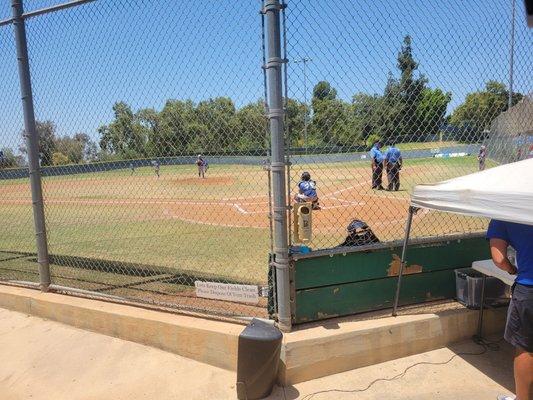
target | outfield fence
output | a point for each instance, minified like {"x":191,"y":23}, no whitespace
{"x":102,"y":191}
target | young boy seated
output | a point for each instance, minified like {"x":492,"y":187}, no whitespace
{"x":307,"y":191}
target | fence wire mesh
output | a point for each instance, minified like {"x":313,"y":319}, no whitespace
{"x":511,"y":133}
{"x":424,"y":79}
{"x":129,"y":93}
{"x":17,"y":238}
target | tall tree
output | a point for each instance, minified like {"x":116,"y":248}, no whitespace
{"x":431,"y":111}
{"x":297,"y":115}
{"x":47,"y":141}
{"x":219,"y":116}
{"x":331,"y":123}
{"x":124,"y":136}
{"x":401,"y":99}
{"x":480,"y":108}
{"x":8,"y":159}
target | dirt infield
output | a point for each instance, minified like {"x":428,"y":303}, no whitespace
{"x":226,"y":204}
{"x":149,"y":238}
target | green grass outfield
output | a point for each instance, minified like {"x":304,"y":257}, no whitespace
{"x":93,"y":242}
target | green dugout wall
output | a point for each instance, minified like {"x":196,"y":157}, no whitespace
{"x":334,"y":283}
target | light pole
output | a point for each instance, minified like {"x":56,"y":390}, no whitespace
{"x":304,"y":61}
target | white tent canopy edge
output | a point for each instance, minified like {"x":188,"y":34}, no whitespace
{"x":504,"y":193}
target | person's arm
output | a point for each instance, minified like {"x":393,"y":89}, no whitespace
{"x":401,"y":161}
{"x":498,"y":251}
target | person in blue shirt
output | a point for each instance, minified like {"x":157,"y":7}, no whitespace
{"x":393,"y":164}
{"x":519,"y":326}
{"x":307,"y":191}
{"x":377,"y":166}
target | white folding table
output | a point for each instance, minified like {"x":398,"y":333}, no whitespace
{"x":488,"y":268}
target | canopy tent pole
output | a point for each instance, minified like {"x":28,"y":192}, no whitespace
{"x":412,"y":211}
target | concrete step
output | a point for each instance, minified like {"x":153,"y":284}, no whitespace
{"x":312,"y":351}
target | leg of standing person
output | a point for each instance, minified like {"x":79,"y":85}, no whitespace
{"x":518,"y":332}
{"x":396,"y":177}
{"x":379,"y":176}
{"x":390,"y":176}
{"x":523,"y":374}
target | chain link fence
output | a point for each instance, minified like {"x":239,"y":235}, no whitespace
{"x":424,"y":79}
{"x":154,"y":141}
{"x":17,"y":237}
{"x":511,"y":133}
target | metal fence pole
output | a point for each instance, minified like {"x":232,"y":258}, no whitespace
{"x":412,"y":211}
{"x":32,"y":143}
{"x":511,"y":57}
{"x":275,"y":114}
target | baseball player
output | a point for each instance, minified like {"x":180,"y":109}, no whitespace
{"x":377,"y":166}
{"x":481,"y":156}
{"x":393,"y":164}
{"x":307,"y":191}
{"x":132,"y":168}
{"x":202,"y":165}
{"x":156,"y":165}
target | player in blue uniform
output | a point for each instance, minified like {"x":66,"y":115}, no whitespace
{"x":482,"y":155}
{"x":519,"y":326}
{"x":377,"y":166}
{"x":393,"y":164}
{"x":307,"y":191}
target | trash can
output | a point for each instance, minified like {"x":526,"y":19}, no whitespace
{"x":468,"y":286}
{"x":258,"y":360}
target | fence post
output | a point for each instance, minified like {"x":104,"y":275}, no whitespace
{"x":275,"y":115}
{"x":32,"y":143}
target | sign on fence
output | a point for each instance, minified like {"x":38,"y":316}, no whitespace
{"x":227,"y":291}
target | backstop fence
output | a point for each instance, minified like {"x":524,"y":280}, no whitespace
{"x":170,"y":138}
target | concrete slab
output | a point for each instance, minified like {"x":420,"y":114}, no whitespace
{"x":204,"y":340}
{"x":43,"y":360}
{"x":444,"y":374}
{"x":310,"y":352}
{"x":340,"y":345}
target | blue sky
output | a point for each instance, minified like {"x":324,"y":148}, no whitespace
{"x":145,"y":52}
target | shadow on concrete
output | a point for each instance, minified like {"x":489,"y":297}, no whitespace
{"x":496,"y":363}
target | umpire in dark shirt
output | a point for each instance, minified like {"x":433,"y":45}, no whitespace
{"x":377,"y":166}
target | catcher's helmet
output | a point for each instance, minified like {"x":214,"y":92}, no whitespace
{"x":306,"y":176}
{"x":356,"y":224}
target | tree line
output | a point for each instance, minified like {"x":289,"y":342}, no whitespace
{"x":408,"y":110}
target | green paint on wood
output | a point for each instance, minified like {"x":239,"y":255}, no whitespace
{"x":374,"y":264}
{"x":356,"y":297}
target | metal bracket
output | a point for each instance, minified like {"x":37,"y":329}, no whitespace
{"x":279,"y":266}
{"x":275,"y":62}
{"x":272,"y":5}
{"x":275,"y":113}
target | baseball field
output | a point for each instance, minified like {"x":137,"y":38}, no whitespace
{"x":105,"y":228}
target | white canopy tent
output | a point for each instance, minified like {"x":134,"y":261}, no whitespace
{"x":504,"y":193}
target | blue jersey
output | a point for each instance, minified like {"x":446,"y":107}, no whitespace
{"x":308,"y":188}
{"x":393,"y":155}
{"x":376,"y":154}
{"x":519,"y":236}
